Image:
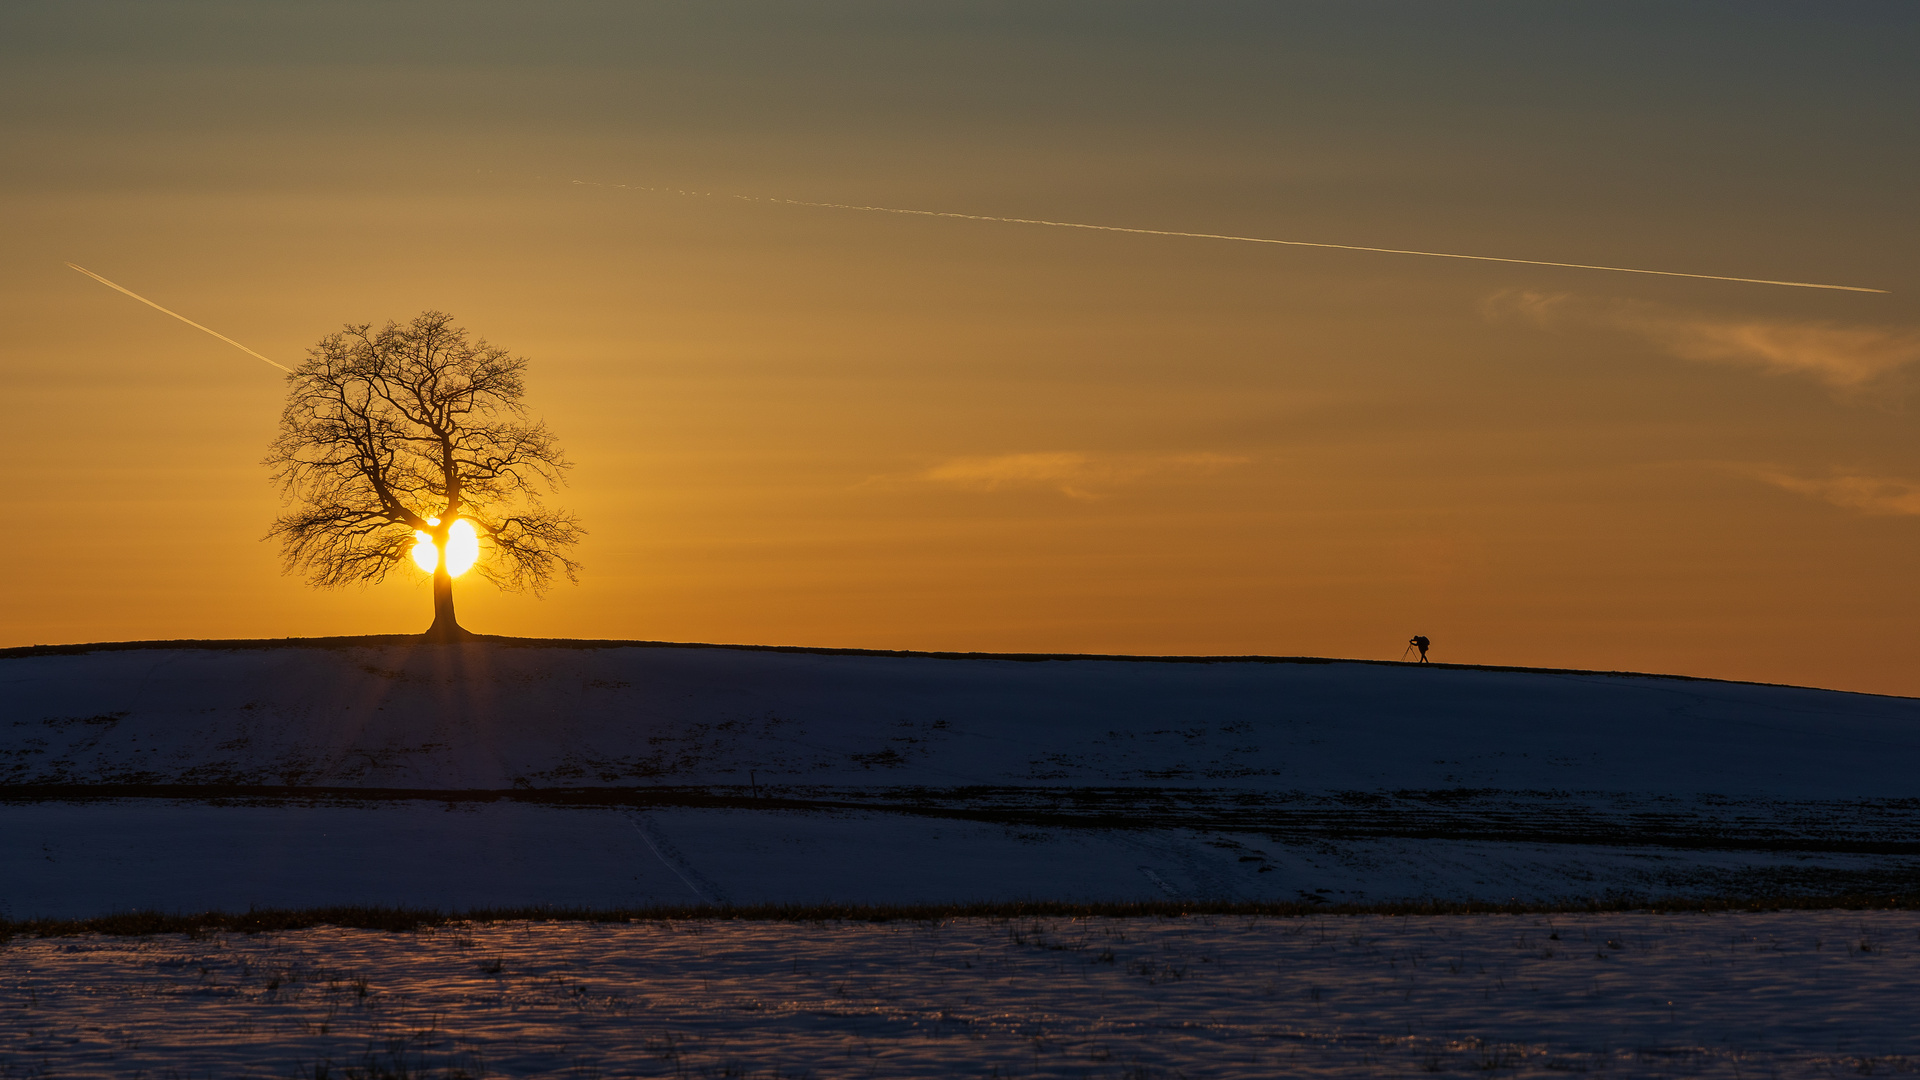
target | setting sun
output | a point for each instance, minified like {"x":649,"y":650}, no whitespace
{"x":463,"y":548}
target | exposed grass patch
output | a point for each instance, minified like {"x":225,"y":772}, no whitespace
{"x":400,"y":919}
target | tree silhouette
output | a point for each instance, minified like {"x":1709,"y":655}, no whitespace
{"x":406,"y":431}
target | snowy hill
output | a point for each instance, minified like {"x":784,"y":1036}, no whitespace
{"x":1247,"y":777}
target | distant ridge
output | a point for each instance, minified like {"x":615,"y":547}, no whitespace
{"x":390,"y":640}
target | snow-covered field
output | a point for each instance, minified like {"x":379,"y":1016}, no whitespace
{"x":73,"y":860}
{"x":494,"y":716}
{"x":601,"y":774}
{"x":1730,"y":995}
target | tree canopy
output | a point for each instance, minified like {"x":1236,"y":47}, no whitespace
{"x":407,"y":430}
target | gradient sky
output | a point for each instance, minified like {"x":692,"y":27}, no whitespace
{"x":802,"y":426}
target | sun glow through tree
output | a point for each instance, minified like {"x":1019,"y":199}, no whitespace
{"x":463,"y":548}
{"x":412,"y":443}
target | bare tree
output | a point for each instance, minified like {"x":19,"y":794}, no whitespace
{"x":408,"y":430}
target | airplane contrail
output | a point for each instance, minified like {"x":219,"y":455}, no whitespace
{"x":1249,"y":239}
{"x":179,"y":316}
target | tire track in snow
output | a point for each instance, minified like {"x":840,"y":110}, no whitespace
{"x":670,"y":856}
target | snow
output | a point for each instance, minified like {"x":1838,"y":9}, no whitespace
{"x":1725,"y":995}
{"x":487,"y":716}
{"x":65,"y":859}
{"x":505,"y":773}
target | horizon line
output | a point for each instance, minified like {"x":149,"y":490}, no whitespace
{"x":509,"y":641}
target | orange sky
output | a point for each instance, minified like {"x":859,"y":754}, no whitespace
{"x":802,"y":426}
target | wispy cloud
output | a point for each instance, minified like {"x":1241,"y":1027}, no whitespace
{"x":1879,"y":495}
{"x":1843,"y":357}
{"x":1073,"y":474}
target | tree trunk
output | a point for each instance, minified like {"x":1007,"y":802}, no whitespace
{"x":444,"y":627}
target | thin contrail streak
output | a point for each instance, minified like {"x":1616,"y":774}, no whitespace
{"x":1253,"y":239}
{"x":179,"y":316}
